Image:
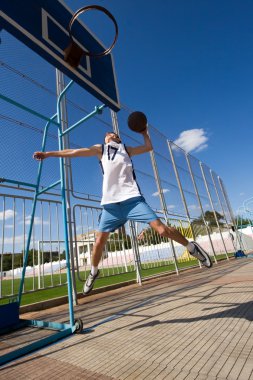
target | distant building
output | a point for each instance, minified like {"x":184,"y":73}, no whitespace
{"x":85,"y":243}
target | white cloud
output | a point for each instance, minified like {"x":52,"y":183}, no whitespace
{"x":19,"y":239}
{"x":82,"y":229}
{"x":157,"y":193}
{"x":8,"y":214}
{"x":241,"y":194}
{"x":192,"y":140}
{"x":170,"y":207}
{"x":193,"y":207}
{"x":19,"y":243}
{"x":36,"y":222}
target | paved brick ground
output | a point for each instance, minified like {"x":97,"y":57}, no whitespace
{"x":195,"y":326}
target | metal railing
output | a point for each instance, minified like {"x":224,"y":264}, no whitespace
{"x":183,"y":191}
{"x":47,"y":265}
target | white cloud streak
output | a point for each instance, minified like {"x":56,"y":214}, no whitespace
{"x":192,"y":140}
{"x":157,"y":193}
{"x":18,"y":239}
{"x":36,"y":222}
{"x":8,"y":214}
{"x":193,"y":207}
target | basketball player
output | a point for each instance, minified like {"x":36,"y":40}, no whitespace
{"x":121,"y":198}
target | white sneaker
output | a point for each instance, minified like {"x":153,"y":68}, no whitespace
{"x":89,"y":283}
{"x":201,"y":255}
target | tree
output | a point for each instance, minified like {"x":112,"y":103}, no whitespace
{"x":149,"y":236}
{"x":209,"y":217}
{"x":118,"y":240}
{"x":241,"y":221}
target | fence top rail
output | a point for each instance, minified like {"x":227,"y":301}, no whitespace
{"x":62,"y":241}
{"x":87,"y":206}
{"x":159,"y":212}
{"x":14,"y":196}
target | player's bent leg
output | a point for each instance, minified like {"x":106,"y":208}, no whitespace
{"x":169,"y":232}
{"x":194,"y":248}
{"x":101,"y":239}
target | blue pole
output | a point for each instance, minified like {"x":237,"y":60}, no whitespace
{"x":97,"y":110}
{"x":33,"y":211}
{"x":64,"y":208}
{"x":3,"y":180}
{"x":49,"y":187}
{"x":19,"y":105}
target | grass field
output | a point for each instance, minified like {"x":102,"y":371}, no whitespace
{"x":108,"y":276}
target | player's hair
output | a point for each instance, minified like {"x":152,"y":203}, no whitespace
{"x":113,"y":133}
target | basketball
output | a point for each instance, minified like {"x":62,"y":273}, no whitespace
{"x":137,"y":121}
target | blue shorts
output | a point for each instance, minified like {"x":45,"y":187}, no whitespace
{"x":115,"y":215}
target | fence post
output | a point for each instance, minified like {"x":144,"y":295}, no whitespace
{"x":163,"y":203}
{"x":115,"y":123}
{"x":223,"y":190}
{"x":200,"y":205}
{"x":136,"y":252}
{"x":211,"y":202}
{"x":217,"y":193}
{"x":181,"y":189}
{"x":2,"y":250}
{"x":66,"y":167}
{"x":180,"y":186}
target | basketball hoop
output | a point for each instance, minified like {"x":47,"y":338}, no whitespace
{"x":73,"y":53}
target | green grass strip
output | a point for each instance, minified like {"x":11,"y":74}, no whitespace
{"x":108,"y":276}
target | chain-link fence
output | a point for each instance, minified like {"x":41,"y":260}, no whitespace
{"x":184,"y":192}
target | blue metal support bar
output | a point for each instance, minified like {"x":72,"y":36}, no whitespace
{"x":62,"y":330}
{"x":61,"y":96}
{"x":47,"y":324}
{"x":49,"y":187}
{"x":97,"y":110}
{"x":64,"y":208}
{"x":33,"y":210}
{"x":34,"y":346}
{"x":2,"y":180}
{"x":19,"y":105}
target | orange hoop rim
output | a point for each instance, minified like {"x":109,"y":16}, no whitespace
{"x":105,"y":11}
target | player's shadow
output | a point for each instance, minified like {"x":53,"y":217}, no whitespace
{"x":244,"y":310}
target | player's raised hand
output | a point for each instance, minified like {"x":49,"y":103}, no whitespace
{"x":39,"y":156}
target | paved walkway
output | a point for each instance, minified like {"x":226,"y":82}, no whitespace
{"x":198,"y":325}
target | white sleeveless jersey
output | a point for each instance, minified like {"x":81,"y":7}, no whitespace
{"x":119,"y":181}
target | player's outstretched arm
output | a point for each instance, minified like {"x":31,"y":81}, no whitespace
{"x":94,"y":150}
{"x":146,"y":147}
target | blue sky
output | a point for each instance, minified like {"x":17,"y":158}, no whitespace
{"x":188,"y":66}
